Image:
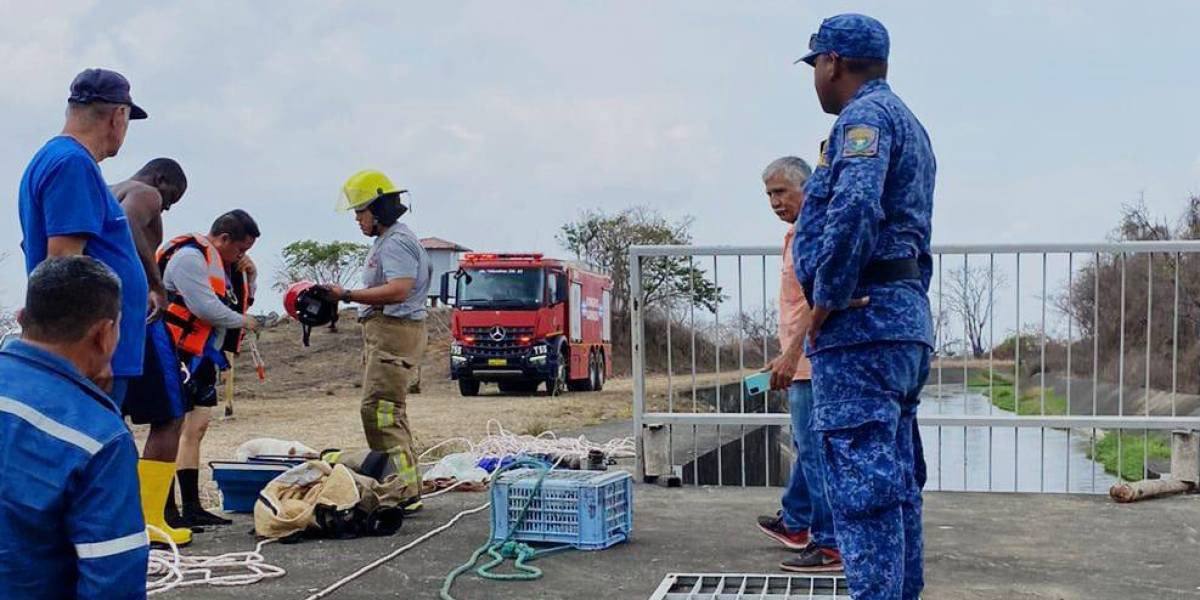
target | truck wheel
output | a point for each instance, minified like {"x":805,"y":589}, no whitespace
{"x":557,"y":384}
{"x":585,"y":385}
{"x":468,"y":387}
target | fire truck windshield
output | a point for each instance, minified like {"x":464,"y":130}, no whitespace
{"x":501,"y":288}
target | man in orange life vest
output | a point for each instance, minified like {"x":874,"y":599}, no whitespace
{"x":209,"y":286}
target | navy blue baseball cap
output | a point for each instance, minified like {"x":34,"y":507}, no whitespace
{"x":102,"y":85}
{"x":849,"y":35}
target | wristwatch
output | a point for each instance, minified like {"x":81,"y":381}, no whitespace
{"x":345,"y":295}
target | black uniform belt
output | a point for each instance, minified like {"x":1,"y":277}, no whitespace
{"x":879,"y":272}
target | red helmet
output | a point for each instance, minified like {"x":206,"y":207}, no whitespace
{"x":303,"y":303}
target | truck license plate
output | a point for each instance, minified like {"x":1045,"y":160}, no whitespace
{"x":497,"y":362}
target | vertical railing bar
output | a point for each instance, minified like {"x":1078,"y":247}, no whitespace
{"x":1120,"y":455}
{"x":1094,"y":460}
{"x":639,"y":359}
{"x":1175,"y":340}
{"x":766,"y":361}
{"x":1121,"y":373}
{"x":991,"y":353}
{"x":692,"y":326}
{"x":717,"y":344}
{"x":741,"y":368}
{"x":938,"y":342}
{"x":1121,"y":347}
{"x":1095,"y":357}
{"x":1017,"y":384}
{"x":1149,"y":333}
{"x":1070,"y":341}
{"x":968,"y":353}
{"x":1042,"y":382}
{"x":670,"y":381}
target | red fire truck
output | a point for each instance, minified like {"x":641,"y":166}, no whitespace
{"x":521,"y":320}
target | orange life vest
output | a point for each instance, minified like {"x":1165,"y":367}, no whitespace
{"x":189,"y":333}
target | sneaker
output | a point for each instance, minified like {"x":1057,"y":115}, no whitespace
{"x":774,"y":528}
{"x":814,"y":560}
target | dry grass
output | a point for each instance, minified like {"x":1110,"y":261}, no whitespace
{"x":312,"y":395}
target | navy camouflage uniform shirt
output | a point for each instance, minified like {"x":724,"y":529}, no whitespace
{"x":870,"y":199}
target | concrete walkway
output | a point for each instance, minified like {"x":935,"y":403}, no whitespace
{"x":980,"y":546}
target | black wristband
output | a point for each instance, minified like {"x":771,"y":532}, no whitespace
{"x":346,"y":296}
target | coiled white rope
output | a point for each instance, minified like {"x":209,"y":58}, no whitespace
{"x":170,"y":569}
{"x":499,"y":443}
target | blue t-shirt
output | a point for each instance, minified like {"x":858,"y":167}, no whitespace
{"x":63,"y":193}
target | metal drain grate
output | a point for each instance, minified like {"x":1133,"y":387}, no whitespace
{"x":745,"y":586}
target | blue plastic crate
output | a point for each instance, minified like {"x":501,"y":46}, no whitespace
{"x":590,"y":510}
{"x":240,"y":482}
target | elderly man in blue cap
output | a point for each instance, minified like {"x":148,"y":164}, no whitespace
{"x":862,"y":255}
{"x":66,"y":208}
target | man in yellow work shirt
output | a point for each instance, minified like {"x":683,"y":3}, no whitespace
{"x":392,"y":312}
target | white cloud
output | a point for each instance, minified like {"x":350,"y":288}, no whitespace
{"x":505,"y":119}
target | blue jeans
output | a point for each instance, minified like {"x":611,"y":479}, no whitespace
{"x":805,"y":503}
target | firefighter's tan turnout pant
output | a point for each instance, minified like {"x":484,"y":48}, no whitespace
{"x":392,"y":350}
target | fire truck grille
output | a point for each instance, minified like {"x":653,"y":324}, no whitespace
{"x":497,"y":341}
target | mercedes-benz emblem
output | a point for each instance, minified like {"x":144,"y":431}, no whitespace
{"x":497,"y":334}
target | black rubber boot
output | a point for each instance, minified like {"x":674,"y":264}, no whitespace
{"x":174,"y":519}
{"x":194,"y":514}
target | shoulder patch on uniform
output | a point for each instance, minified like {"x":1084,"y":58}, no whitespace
{"x":823,"y":159}
{"x":861,"y":140}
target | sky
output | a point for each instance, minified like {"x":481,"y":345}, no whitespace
{"x":507,"y":119}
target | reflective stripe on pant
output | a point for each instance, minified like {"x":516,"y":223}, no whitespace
{"x":392,"y":349}
{"x":865,"y":413}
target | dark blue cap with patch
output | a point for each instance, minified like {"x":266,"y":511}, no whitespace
{"x":849,"y":35}
{"x":102,"y":85}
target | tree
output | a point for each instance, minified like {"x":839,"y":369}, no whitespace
{"x":1096,"y":298}
{"x":8,"y":321}
{"x":761,"y":325}
{"x":335,"y":262}
{"x":603,"y":240}
{"x":971,"y":294}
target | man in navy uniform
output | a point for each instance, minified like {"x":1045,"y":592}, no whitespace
{"x":862,"y":255}
{"x":70,"y":521}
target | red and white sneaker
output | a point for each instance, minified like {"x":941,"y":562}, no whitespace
{"x":773,"y":528}
{"x":814,"y":560}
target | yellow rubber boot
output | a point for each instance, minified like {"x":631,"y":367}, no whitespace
{"x":155,"y":478}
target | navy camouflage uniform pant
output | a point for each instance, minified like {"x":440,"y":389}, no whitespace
{"x":865,"y":415}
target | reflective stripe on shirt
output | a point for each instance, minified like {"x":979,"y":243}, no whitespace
{"x":132,"y":541}
{"x":49,"y":426}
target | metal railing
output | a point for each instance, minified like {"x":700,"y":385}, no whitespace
{"x":984,"y":427}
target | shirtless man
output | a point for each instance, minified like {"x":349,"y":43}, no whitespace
{"x":156,"y":397}
{"x":155,"y":188}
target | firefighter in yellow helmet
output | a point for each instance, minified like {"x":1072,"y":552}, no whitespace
{"x":392,"y":311}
